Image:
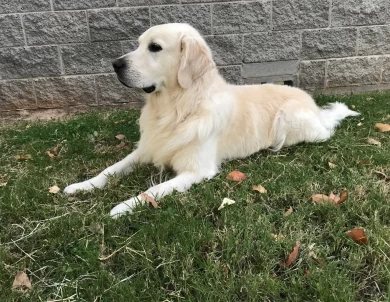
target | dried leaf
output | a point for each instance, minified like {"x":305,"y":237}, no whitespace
{"x":343,"y":197}
{"x":121,"y":121}
{"x":332,"y":165}
{"x":54,"y":189}
{"x":51,"y":155}
{"x":120,"y":145}
{"x":55,"y":149}
{"x":21,"y":282}
{"x":236,"y":176}
{"x":120,"y":136}
{"x":359,"y":124}
{"x":288,"y":212}
{"x":321,"y":198}
{"x":364,"y":162}
{"x":291,"y":258}
{"x":382,"y":127}
{"x":336,"y":198}
{"x":226,"y":201}
{"x":373,"y":141}
{"x":147,"y":198}
{"x":386,"y":178}
{"x":358,"y":235}
{"x":260,"y":188}
{"x":23,"y":157}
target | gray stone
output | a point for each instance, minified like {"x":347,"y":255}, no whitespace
{"x":82,"y":4}
{"x":111,"y":92}
{"x":358,"y":12}
{"x":273,"y":46}
{"x":90,"y":58}
{"x":65,"y":91}
{"x":227,"y":50}
{"x":146,"y":2}
{"x":17,"y":94}
{"x":23,"y":6}
{"x":196,"y":15}
{"x":202,"y":1}
{"x":54,"y":28}
{"x":129,"y":46}
{"x":230,"y":18}
{"x":386,"y":70}
{"x":11,"y":31}
{"x":296,"y":14}
{"x":232,"y":74}
{"x":374,"y":40}
{"x":354,"y":71}
{"x":118,"y":23}
{"x":328,"y":43}
{"x":312,"y":74}
{"x":26,"y":62}
{"x":266,"y":69}
{"x":290,"y":80}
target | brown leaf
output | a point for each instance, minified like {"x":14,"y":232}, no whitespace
{"x":343,"y":197}
{"x":21,"y":282}
{"x":332,"y":165}
{"x":288,"y":212}
{"x":373,"y":141}
{"x":51,"y":155}
{"x":23,"y":157}
{"x":120,"y":136}
{"x":260,"y":188}
{"x":358,"y":235}
{"x":364,"y":162}
{"x":54,"y":189}
{"x":236,"y":176}
{"x":226,"y":201}
{"x":55,"y":149}
{"x":386,"y":178}
{"x":291,"y":258}
{"x":336,"y":198}
{"x":382,"y":127}
{"x":321,"y":198}
{"x":147,"y":198}
{"x":120,"y":145}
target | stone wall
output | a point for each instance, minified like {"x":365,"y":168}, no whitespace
{"x":56,"y":54}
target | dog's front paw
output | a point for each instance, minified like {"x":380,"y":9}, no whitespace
{"x":125,"y":207}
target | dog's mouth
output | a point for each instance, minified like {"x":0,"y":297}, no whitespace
{"x":148,"y":89}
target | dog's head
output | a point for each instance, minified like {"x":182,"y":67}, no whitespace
{"x":168,"y":56}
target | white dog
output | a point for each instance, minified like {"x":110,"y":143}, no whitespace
{"x":193,"y":120}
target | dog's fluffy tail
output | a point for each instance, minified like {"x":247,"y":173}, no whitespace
{"x":335,"y":113}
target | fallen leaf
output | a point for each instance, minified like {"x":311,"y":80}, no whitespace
{"x":359,"y":124}
{"x":332,"y":165}
{"x":236,"y":176}
{"x":373,"y":141}
{"x":343,"y":197}
{"x":21,"y":282}
{"x":316,"y":259}
{"x":278,"y":238}
{"x":358,"y":235}
{"x":288,"y":212}
{"x":120,"y":145}
{"x":226,"y":201}
{"x":23,"y":157}
{"x":332,"y":198}
{"x":54,"y":189}
{"x":260,"y":188}
{"x":121,"y":121}
{"x":291,"y":258}
{"x":336,"y":198}
{"x":51,"y":155}
{"x":147,"y":198}
{"x":120,"y":136}
{"x":321,"y":198}
{"x":386,"y":178}
{"x":55,"y":149}
{"x":364,"y":162}
{"x":382,"y":127}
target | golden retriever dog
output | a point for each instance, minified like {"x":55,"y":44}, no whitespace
{"x":193,"y":120}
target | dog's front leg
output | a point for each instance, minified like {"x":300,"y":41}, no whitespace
{"x":181,"y":183}
{"x":123,"y":167}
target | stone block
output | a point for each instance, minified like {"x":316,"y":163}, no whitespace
{"x":244,"y":17}
{"x":386,"y":70}
{"x":118,"y":23}
{"x":354,"y":71}
{"x":272,"y":46}
{"x":65,"y":91}
{"x":312,"y":74}
{"x":296,"y":14}
{"x":54,"y":28}
{"x":11,"y":31}
{"x":227,"y":50}
{"x":17,"y":94}
{"x":26,"y":62}
{"x":232,"y":74}
{"x":90,"y":58}
{"x":111,"y":92}
{"x":129,"y":46}
{"x":374,"y":40}
{"x":23,"y":6}
{"x":254,"y":70}
{"x":358,"y":12}
{"x":146,"y":2}
{"x":196,"y":15}
{"x":329,"y":43}
{"x":82,"y":4}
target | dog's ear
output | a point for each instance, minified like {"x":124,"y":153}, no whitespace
{"x":195,"y":60}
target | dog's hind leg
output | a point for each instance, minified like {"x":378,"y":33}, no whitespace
{"x":123,"y":167}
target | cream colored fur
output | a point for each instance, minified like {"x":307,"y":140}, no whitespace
{"x":194,"y":120}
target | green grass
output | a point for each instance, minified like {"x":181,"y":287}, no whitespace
{"x":188,"y":250}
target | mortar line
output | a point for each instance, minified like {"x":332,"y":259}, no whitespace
{"x":60,"y":58}
{"x":88,"y":29}
{"x":23,"y":30}
{"x":326,"y":74}
{"x":357,"y":41}
{"x":96,"y":94}
{"x":271,"y":16}
{"x":150,"y":16}
{"x":211,"y":17}
{"x":330,"y":13}
{"x":35,"y":93}
{"x":52,"y":5}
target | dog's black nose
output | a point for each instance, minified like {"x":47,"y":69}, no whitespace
{"x":119,"y":64}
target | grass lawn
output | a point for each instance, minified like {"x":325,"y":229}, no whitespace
{"x":187,"y":250}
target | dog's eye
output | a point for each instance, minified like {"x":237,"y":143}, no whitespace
{"x":153,"y":47}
